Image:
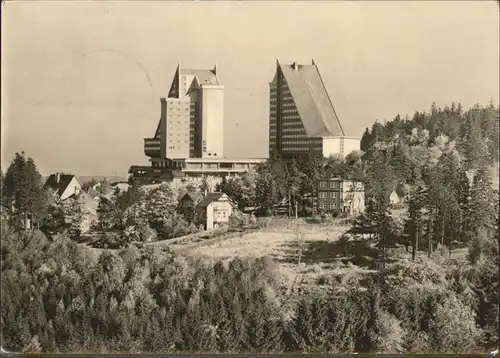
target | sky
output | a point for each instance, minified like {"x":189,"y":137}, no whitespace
{"x":82,"y":81}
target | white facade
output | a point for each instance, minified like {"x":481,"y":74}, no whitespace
{"x":74,"y":188}
{"x":353,"y":197}
{"x":212,"y":114}
{"x":340,"y":145}
{"x":175,"y":128}
{"x":218,"y":212}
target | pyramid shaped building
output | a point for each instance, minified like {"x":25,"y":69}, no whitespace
{"x":302,"y":119}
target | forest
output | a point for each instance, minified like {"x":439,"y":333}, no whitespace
{"x":57,"y":296}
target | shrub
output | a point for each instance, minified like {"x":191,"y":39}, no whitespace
{"x":238,"y":220}
{"x":453,"y":329}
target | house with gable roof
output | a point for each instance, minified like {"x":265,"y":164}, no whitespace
{"x":189,"y":199}
{"x":64,"y":186}
{"x":215,"y":209}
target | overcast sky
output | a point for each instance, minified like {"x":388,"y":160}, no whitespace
{"x":81,"y":81}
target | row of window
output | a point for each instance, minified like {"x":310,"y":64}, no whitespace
{"x":294,"y":136}
{"x":324,"y":195}
{"x":298,"y":128}
{"x":332,"y":184}
{"x":291,"y":120}
{"x":177,"y":109}
{"x":323,"y":205}
{"x":288,"y":141}
{"x":295,"y":149}
{"x":151,"y":148}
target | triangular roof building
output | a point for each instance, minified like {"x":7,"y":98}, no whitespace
{"x":302,"y":117}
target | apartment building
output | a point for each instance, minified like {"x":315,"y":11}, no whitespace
{"x":341,"y":195}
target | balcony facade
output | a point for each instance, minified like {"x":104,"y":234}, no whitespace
{"x":152,"y":147}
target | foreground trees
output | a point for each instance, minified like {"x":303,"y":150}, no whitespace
{"x":58,"y":296}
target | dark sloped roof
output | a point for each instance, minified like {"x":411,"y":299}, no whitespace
{"x":209,"y":198}
{"x":312,"y":101}
{"x":59,"y":187}
{"x":195,"y":197}
{"x":202,"y":76}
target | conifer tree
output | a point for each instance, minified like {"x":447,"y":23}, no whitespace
{"x":473,"y":144}
{"x":204,"y":187}
{"x":24,"y":195}
{"x":481,"y":212}
{"x":366,"y":140}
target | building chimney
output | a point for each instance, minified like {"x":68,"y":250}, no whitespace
{"x":58,"y":177}
{"x":294,"y":66}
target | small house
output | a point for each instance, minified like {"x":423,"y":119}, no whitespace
{"x":191,"y":199}
{"x":64,"y":186}
{"x":394,"y":198}
{"x":215,"y":210}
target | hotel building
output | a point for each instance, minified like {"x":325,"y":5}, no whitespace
{"x":189,"y":138}
{"x":302,"y":119}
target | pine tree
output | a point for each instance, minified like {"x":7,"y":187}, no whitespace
{"x":37,"y":199}
{"x":3,"y":196}
{"x":24,"y":195}
{"x":106,"y":214}
{"x":380,"y":184}
{"x":473,"y":144}
{"x":366,"y":140}
{"x":266,"y":190}
{"x":481,"y":211}
{"x":416,"y":207}
{"x":294,"y":181}
{"x":204,"y":187}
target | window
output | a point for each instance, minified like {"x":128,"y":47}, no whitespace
{"x":322,"y":184}
{"x":333,"y":184}
{"x":322,"y":205}
{"x":332,"y":205}
{"x":322,"y":195}
{"x":333,"y":195}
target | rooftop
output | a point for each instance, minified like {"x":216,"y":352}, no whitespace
{"x":312,"y":100}
{"x":58,"y":182}
{"x":202,"y":76}
{"x":209,"y":198}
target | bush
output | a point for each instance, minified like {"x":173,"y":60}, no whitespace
{"x":238,"y":220}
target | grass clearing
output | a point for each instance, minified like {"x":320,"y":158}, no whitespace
{"x":306,"y":255}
